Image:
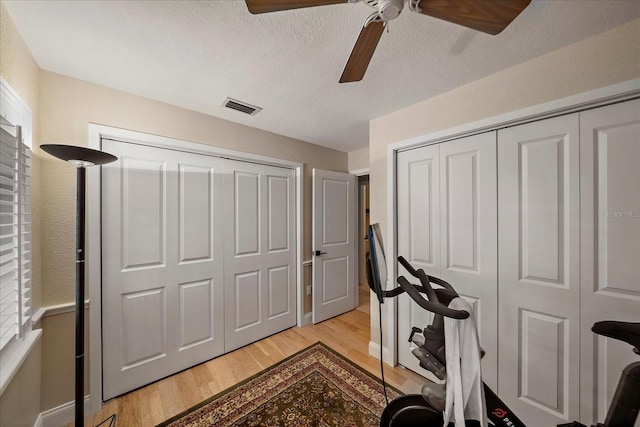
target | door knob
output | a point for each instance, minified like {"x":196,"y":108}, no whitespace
{"x":318,"y":253}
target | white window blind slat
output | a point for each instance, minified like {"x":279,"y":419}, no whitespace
{"x":8,"y":317}
{"x":9,"y":275}
{"x":7,"y":257}
{"x":8,"y":295}
{"x":24,"y":231}
{"x":7,"y":313}
{"x":6,"y":335}
{"x":15,"y":235}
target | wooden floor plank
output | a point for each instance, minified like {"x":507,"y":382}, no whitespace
{"x":347,"y":334}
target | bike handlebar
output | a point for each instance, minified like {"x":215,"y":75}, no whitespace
{"x":431,"y":304}
{"x":408,"y":266}
{"x":422,"y":276}
{"x":433,"y":307}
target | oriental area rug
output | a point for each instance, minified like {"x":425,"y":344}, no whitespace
{"x":314,"y":387}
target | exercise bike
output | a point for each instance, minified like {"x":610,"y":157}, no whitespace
{"x":425,"y":409}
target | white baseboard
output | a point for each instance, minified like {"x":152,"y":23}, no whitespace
{"x":307,"y":319}
{"x":374,"y":350}
{"x":60,"y":415}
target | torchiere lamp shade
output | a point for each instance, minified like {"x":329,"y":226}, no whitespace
{"x":79,"y":156}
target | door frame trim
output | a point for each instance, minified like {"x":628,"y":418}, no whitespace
{"x":591,"y":99}
{"x":96,"y":133}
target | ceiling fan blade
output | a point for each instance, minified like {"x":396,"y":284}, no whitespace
{"x":488,"y":16}
{"x":362,"y":52}
{"x":264,"y":6}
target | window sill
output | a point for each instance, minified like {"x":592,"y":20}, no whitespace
{"x":15,"y":360}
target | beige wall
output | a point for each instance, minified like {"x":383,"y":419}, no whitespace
{"x":602,"y":60}
{"x":20,"y":401}
{"x":606,"y":59}
{"x":58,"y":358}
{"x":67,"y":107}
{"x":62,"y":109}
{"x":359,"y":160}
{"x":21,"y":71}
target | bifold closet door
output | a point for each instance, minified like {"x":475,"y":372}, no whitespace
{"x":418,"y":181}
{"x":539,"y":268}
{"x":610,"y":246}
{"x":162,"y":253}
{"x":468,"y":234}
{"x":260,"y":252}
{"x":447,"y":226}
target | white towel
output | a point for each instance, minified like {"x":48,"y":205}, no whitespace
{"x":465,"y":394}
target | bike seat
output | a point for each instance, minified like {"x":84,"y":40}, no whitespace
{"x":628,"y":332}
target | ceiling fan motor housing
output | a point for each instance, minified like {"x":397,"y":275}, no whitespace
{"x":390,"y":9}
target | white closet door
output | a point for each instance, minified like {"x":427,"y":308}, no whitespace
{"x":162,"y":262}
{"x":610,"y":257}
{"x":418,"y":181}
{"x":260,"y":252}
{"x":447,"y":222}
{"x":468,"y":236}
{"x":539,"y":283}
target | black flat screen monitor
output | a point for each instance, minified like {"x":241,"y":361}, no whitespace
{"x":376,"y":262}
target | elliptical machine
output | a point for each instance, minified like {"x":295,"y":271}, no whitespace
{"x":425,"y":409}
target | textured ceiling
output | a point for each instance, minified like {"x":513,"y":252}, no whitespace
{"x":194,"y":54}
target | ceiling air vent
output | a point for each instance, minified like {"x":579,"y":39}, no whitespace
{"x":243,"y":107}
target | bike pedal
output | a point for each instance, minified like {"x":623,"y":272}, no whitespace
{"x":429,"y":362}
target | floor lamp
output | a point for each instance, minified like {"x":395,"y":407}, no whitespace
{"x":81,"y":158}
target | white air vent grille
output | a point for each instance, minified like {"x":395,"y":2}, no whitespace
{"x":243,"y":107}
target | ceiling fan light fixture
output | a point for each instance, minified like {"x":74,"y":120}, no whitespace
{"x":390,"y":9}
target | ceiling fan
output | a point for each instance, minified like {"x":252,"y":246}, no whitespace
{"x":488,"y":16}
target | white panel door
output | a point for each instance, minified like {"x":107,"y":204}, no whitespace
{"x":162,"y":264}
{"x":447,"y":219}
{"x":469,"y":236}
{"x":610,"y":257}
{"x":418,"y":181}
{"x":260,"y":252}
{"x":334,"y":240}
{"x":539,"y":283}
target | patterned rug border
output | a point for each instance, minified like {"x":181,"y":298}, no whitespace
{"x":274,"y":366}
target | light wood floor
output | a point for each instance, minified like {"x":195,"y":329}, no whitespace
{"x":348,"y":334}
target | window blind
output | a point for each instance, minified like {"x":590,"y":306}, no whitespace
{"x":24,"y":230}
{"x":15,"y":233}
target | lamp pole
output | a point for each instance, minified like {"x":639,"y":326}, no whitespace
{"x":80,"y":227}
{"x":81,"y":158}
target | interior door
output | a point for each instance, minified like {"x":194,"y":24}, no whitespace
{"x":610,"y":246}
{"x":539,"y":274}
{"x":162,"y":293}
{"x":260,"y":252}
{"x":334,"y":239}
{"x":418,"y":181}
